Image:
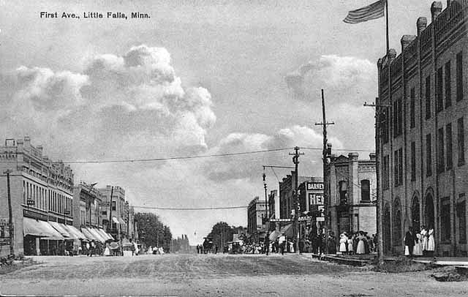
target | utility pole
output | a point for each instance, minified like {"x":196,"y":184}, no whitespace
{"x":295,"y":159}
{"x":11,"y":229}
{"x":267,"y":218}
{"x":110,"y":210}
{"x":378,"y":111}
{"x":325,"y":156}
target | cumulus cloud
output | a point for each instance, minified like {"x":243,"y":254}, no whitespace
{"x":229,"y":168}
{"x":119,"y":106}
{"x":342,"y":75}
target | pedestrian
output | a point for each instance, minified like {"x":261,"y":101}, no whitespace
{"x":409,"y":242}
{"x":282,"y":243}
{"x":343,"y":244}
{"x":430,"y":241}
{"x":424,"y":239}
{"x":417,"y":251}
{"x":360,"y":249}
{"x":351,"y":245}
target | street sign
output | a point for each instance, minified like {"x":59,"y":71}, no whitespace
{"x":30,"y":202}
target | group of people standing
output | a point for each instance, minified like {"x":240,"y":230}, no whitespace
{"x":357,"y":243}
{"x":420,"y":243}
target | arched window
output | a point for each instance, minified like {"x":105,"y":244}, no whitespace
{"x":365,"y":190}
{"x":415,"y":221}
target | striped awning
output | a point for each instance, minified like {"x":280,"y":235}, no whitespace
{"x":62,"y":230}
{"x":77,"y":233}
{"x":41,"y":229}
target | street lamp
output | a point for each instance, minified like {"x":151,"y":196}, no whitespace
{"x":10,"y":214}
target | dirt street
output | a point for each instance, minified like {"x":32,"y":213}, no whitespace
{"x":215,"y":275}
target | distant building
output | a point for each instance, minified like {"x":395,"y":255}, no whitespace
{"x":286,"y":194}
{"x":114,"y":210}
{"x":352,"y":194}
{"x":255,"y":213}
{"x":422,"y":131}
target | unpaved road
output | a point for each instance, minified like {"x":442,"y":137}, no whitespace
{"x":215,"y":275}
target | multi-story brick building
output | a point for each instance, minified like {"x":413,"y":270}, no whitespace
{"x":114,"y":210}
{"x":286,"y":193}
{"x":255,"y":213}
{"x":41,"y":193}
{"x":352,"y":194}
{"x":422,"y":131}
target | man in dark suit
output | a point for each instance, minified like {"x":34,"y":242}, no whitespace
{"x":410,"y":238}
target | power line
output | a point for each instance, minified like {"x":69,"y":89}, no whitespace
{"x":176,"y":158}
{"x":188,"y":208}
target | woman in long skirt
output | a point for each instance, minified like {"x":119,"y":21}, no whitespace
{"x":350,"y":245}
{"x":343,"y":243}
{"x":417,"y":251}
{"x":360,"y":247}
{"x":430,"y":241}
{"x":423,"y":239}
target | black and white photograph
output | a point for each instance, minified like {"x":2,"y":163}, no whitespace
{"x":233,"y":148}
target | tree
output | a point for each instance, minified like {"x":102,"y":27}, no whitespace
{"x":221,"y":233}
{"x":152,"y":231}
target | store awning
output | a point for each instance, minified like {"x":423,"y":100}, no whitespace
{"x":77,"y":233}
{"x":96,"y":235}
{"x":115,"y":220}
{"x":122,"y":222}
{"x":41,"y":229}
{"x":104,"y":234}
{"x":273,"y":235}
{"x":61,"y":229}
{"x":287,"y":231}
{"x":88,"y":234}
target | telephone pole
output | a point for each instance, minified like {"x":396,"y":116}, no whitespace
{"x":295,"y":159}
{"x":379,"y":109}
{"x":325,"y":155}
{"x":11,"y":229}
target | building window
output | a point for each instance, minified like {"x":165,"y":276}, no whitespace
{"x":428,"y":97}
{"x":397,"y":240}
{"x":448,"y":140}
{"x":459,"y":76}
{"x":440,"y":151}
{"x":428,"y":155}
{"x":461,"y":215}
{"x":413,"y":161}
{"x":343,"y":192}
{"x":385,"y":126}
{"x":448,"y":86}
{"x":412,"y":108}
{"x":439,"y":90}
{"x":398,"y":168}
{"x":365,"y":190}
{"x":386,"y":172}
{"x":114,"y":205}
{"x":461,"y":142}
{"x":445,"y":219}
{"x":397,"y":118}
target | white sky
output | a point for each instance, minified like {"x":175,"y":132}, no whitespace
{"x":198,"y":77}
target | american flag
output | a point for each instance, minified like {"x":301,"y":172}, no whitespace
{"x":370,"y":12}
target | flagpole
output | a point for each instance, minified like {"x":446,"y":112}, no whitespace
{"x":386,"y":25}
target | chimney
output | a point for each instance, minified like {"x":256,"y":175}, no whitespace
{"x":27,"y":141}
{"x":40,"y":148}
{"x":421,"y":24}
{"x":372,"y":156}
{"x":353,"y":156}
{"x":436,"y":8}
{"x":406,"y":40}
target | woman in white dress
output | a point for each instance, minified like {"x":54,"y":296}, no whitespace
{"x":360,"y":247}
{"x":350,"y":245}
{"x":107,"y":250}
{"x":430,"y":241}
{"x":417,"y":251}
{"x":423,"y":239}
{"x":343,"y":243}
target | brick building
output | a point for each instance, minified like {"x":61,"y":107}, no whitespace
{"x":41,"y":198}
{"x":422,"y":147}
{"x":255,"y":213}
{"x":352,"y":194}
